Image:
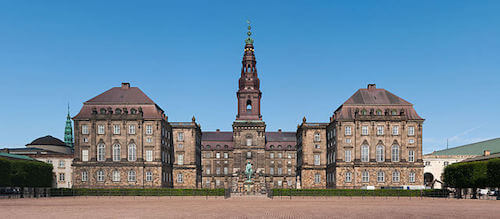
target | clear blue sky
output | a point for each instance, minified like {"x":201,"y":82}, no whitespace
{"x":442,"y":56}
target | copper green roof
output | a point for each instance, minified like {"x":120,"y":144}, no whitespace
{"x":478,"y":148}
{"x":15,"y":156}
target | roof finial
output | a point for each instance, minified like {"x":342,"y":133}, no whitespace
{"x":249,"y":39}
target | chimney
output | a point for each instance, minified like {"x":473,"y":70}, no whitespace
{"x":125,"y":85}
{"x":279,"y":130}
{"x":218,"y":130}
{"x":372,"y":86}
{"x":486,"y":152}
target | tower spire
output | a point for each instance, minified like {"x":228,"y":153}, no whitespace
{"x":249,"y":39}
{"x":249,"y":85}
{"x":68,"y":131}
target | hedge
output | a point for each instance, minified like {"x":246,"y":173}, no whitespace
{"x":359,"y":192}
{"x":24,"y":173}
{"x":478,"y":174}
{"x":136,"y":192}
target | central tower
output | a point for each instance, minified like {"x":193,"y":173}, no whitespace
{"x":249,"y":85}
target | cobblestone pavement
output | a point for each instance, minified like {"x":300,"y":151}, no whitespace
{"x":247,"y":207}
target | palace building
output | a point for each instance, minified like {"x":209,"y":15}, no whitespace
{"x":123,"y":139}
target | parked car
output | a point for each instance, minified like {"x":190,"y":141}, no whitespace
{"x":493,"y":193}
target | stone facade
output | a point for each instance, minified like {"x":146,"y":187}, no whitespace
{"x":311,"y":154}
{"x":122,"y":140}
{"x":187,"y":154}
{"x":367,"y":137}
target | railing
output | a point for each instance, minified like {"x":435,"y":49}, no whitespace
{"x":24,"y":192}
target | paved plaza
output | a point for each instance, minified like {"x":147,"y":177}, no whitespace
{"x":247,"y":207}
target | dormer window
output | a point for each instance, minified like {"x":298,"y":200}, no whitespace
{"x":103,"y":111}
{"x":363,"y":112}
{"x":394,"y":112}
{"x":379,"y":112}
{"x":133,"y":111}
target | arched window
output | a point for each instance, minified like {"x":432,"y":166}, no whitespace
{"x":279,"y":146}
{"x":226,"y":146}
{"x":272,"y":146}
{"x":103,"y":111}
{"x":289,"y":146}
{"x":218,"y":146}
{"x":131,"y":176}
{"x":116,"y":152}
{"x":100,"y":152}
{"x":380,"y":176}
{"x":132,"y":152}
{"x":133,"y":111}
{"x":365,"y":176}
{"x":380,"y":153}
{"x":249,"y":141}
{"x":100,"y":175}
{"x":208,"y":147}
{"x":395,"y":176}
{"x":365,"y":151}
{"x":317,"y":137}
{"x":118,"y":111}
{"x":249,"y":105}
{"x":395,"y":153}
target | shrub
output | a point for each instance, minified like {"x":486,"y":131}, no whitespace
{"x":493,"y":173}
{"x":136,"y":192}
{"x":24,"y":173}
{"x":358,"y":192}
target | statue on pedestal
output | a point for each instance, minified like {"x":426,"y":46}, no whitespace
{"x":249,"y":171}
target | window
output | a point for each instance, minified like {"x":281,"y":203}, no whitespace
{"x":132,"y":152}
{"x":208,"y":170}
{"x":317,"y":137}
{"x":380,"y":176}
{"x":380,"y":130}
{"x":365,"y":150}
{"x":116,"y":129}
{"x":149,"y":129}
{"x":85,"y":129}
{"x":116,"y":176}
{"x":149,"y":176}
{"x":100,"y":175}
{"x":100,"y":129}
{"x":347,"y":156}
{"x":411,"y":141}
{"x":131,"y":129}
{"x":380,"y":153}
{"x":85,"y":155}
{"x":427,"y":163}
{"x":208,"y":154}
{"x":289,"y":171}
{"x":395,"y":153}
{"x":446,"y":163}
{"x":280,"y":171}
{"x":226,"y":155}
{"x":149,"y":140}
{"x":348,"y":130}
{"x":365,"y":176}
{"x":180,"y":136}
{"x":395,"y":176}
{"x":217,"y":182}
{"x":217,"y":170}
{"x":84,"y":176}
{"x":217,"y":155}
{"x":411,"y":156}
{"x":116,"y":152}
{"x":85,"y":140}
{"x":61,"y":176}
{"x":226,"y":170}
{"x":180,"y":159}
{"x":394,"y":112}
{"x":280,"y":155}
{"x":317,"y":178}
{"x":180,"y":145}
{"x":348,"y":140}
{"x":411,"y":131}
{"x":317,"y":160}
{"x":379,"y":112}
{"x":412,"y":177}
{"x":61,"y":163}
{"x":364,"y":130}
{"x":249,"y":154}
{"x":317,"y":146}
{"x":249,"y":141}
{"x":49,"y":161}
{"x":131,"y":176}
{"x":395,"y":130}
{"x":348,"y":177}
{"x":100,"y":152}
{"x":149,"y":155}
{"x":289,"y":155}
{"x":271,"y":170}
{"x":271,"y":155}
